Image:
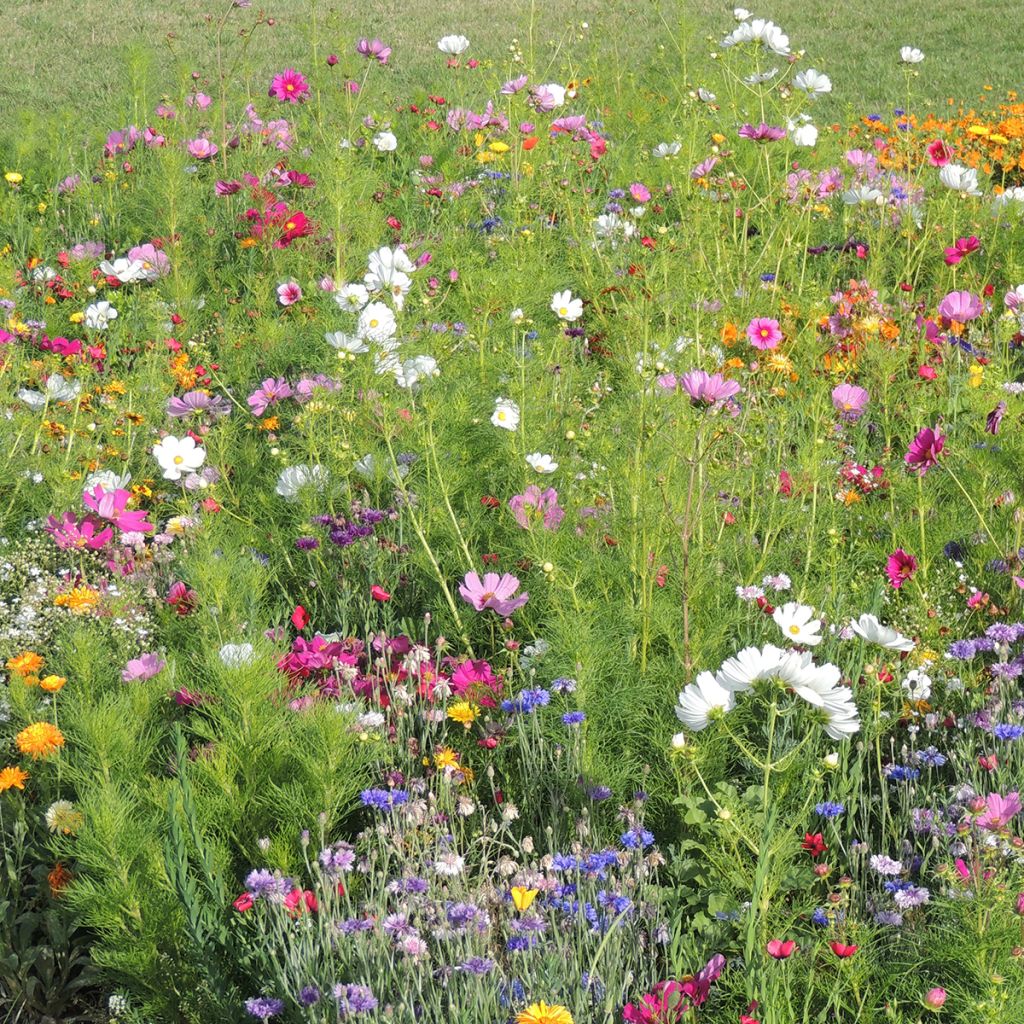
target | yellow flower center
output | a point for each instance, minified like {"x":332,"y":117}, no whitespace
{"x":178,"y":460}
{"x":374,"y":323}
{"x":562,"y":311}
{"x":794,"y":629}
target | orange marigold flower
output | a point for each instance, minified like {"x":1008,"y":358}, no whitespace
{"x":40,"y":739}
{"x":26,"y":664}
{"x":52,"y":684}
{"x":12,"y":777}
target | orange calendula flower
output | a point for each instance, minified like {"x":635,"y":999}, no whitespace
{"x":12,"y":777}
{"x":729,"y":333}
{"x":542,"y":1013}
{"x":52,"y":684}
{"x":40,"y":739}
{"x":79,"y":600}
{"x":26,"y":664}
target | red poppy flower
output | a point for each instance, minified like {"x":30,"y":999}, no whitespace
{"x":842,"y":951}
{"x":814,"y":844}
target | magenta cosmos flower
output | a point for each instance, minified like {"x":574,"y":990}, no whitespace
{"x":493,"y":591}
{"x":849,"y":401}
{"x":202,"y":149}
{"x":961,"y":307}
{"x":764,"y":332}
{"x":900,"y":567}
{"x":113,"y":506}
{"x":925,"y":449}
{"x":762,"y":132}
{"x":289,"y":87}
{"x":534,"y":504}
{"x":67,"y":532}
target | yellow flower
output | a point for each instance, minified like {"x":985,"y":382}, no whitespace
{"x":40,"y":739}
{"x":974,"y":376}
{"x":498,"y":147}
{"x":52,"y":684}
{"x":523,"y":897}
{"x":76,"y":318}
{"x":462,"y":712}
{"x":62,"y":817}
{"x":27,"y":663}
{"x":12,"y":777}
{"x":79,"y":600}
{"x":13,"y":178}
{"x":446,"y":758}
{"x":41,"y":207}
{"x":541,"y":1013}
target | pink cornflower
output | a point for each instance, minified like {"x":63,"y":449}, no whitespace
{"x":961,"y":307}
{"x":373,"y":49}
{"x":925,"y":449}
{"x":534,"y":504}
{"x":288,"y":293}
{"x":764,"y":332}
{"x":961,"y":248}
{"x":900,"y":567}
{"x":269,"y":393}
{"x":113,"y":506}
{"x":493,"y":591}
{"x":850,"y":401}
{"x":289,"y":87}
{"x":202,"y":149}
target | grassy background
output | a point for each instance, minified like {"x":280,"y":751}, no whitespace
{"x":101,"y":62}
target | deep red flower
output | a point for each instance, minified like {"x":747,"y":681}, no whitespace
{"x":842,"y":951}
{"x":814,"y":844}
{"x":243,"y":902}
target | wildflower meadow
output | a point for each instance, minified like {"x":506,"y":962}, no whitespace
{"x":491,"y":534}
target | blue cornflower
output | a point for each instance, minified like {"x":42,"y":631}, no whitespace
{"x":563,"y":684}
{"x":354,"y":999}
{"x":573,"y":718}
{"x":564,"y":862}
{"x":820,"y":916}
{"x":383,"y":799}
{"x":962,"y":650}
{"x":1008,"y":732}
{"x":829,"y":810}
{"x":930,"y":757}
{"x":520,"y":943}
{"x":900,"y":773}
{"x":636,"y":839}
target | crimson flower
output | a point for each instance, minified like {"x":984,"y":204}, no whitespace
{"x":900,"y":567}
{"x":925,"y":449}
{"x":814,"y":843}
{"x":842,"y":951}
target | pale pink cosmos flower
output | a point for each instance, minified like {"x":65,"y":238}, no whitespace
{"x":850,"y":401}
{"x":706,"y":388}
{"x":999,"y":810}
{"x":495,"y":592}
{"x":145,"y":666}
{"x":534,"y":504}
{"x":269,"y":393}
{"x":202,"y":149}
{"x":960,"y":306}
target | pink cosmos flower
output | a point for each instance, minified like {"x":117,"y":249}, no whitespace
{"x":270,"y":392}
{"x":475,"y":681}
{"x":289,"y":87}
{"x":534,"y":504}
{"x":373,"y":50}
{"x":764,"y":332}
{"x":68,"y":533}
{"x":202,"y":149}
{"x":199,"y":100}
{"x":702,"y":387}
{"x":999,"y":810}
{"x":850,"y":401}
{"x":493,"y":591}
{"x":112,"y":506}
{"x":961,"y":248}
{"x":155,"y":262}
{"x":925,"y":449}
{"x":961,"y":307}
{"x":145,"y":666}
{"x":762,"y":132}
{"x":640,"y":192}
{"x":900,"y":567}
{"x":288,"y":293}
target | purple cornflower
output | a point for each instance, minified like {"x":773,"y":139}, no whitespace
{"x":306,"y":543}
{"x":478,"y":965}
{"x":263,"y":885}
{"x":309,"y":995}
{"x":912,"y":896}
{"x":535,"y":505}
{"x":573,"y":718}
{"x":264,"y":1007}
{"x":337,"y":859}
{"x":354,"y":999}
{"x":962,"y":650}
{"x":885,"y":865}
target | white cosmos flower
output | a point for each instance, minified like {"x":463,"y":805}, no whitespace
{"x":236,"y":655}
{"x":918,"y":684}
{"x":762,"y":31}
{"x":517,"y":316}
{"x":125,"y":270}
{"x":802,"y":132}
{"x":178,"y":456}
{"x":910,"y":55}
{"x":868,"y":628}
{"x":1009,"y":198}
{"x":398,"y":286}
{"x":555,"y":91}
{"x":386,"y":142}
{"x":506,"y":414}
{"x":861,"y":195}
{"x":453,"y":45}
{"x":700,"y":698}
{"x":746,"y":667}
{"x":413,"y":370}
{"x":565,"y":306}
{"x":842,"y":718}
{"x":58,"y":389}
{"x":107,"y":479}
{"x":294,"y":478}
{"x":99,"y":315}
{"x":759,"y":78}
{"x":705,"y":95}
{"x":960,"y":179}
{"x":346,"y":344}
{"x":377,"y":323}
{"x":352,"y":297}
{"x":798,"y":624}
{"x":666,"y":149}
{"x":740,"y":13}
{"x":541,"y":463}
{"x":814,"y":83}
{"x":382,"y":266}
{"x":813,"y":683}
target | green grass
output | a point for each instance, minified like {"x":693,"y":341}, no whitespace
{"x":95,"y":61}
